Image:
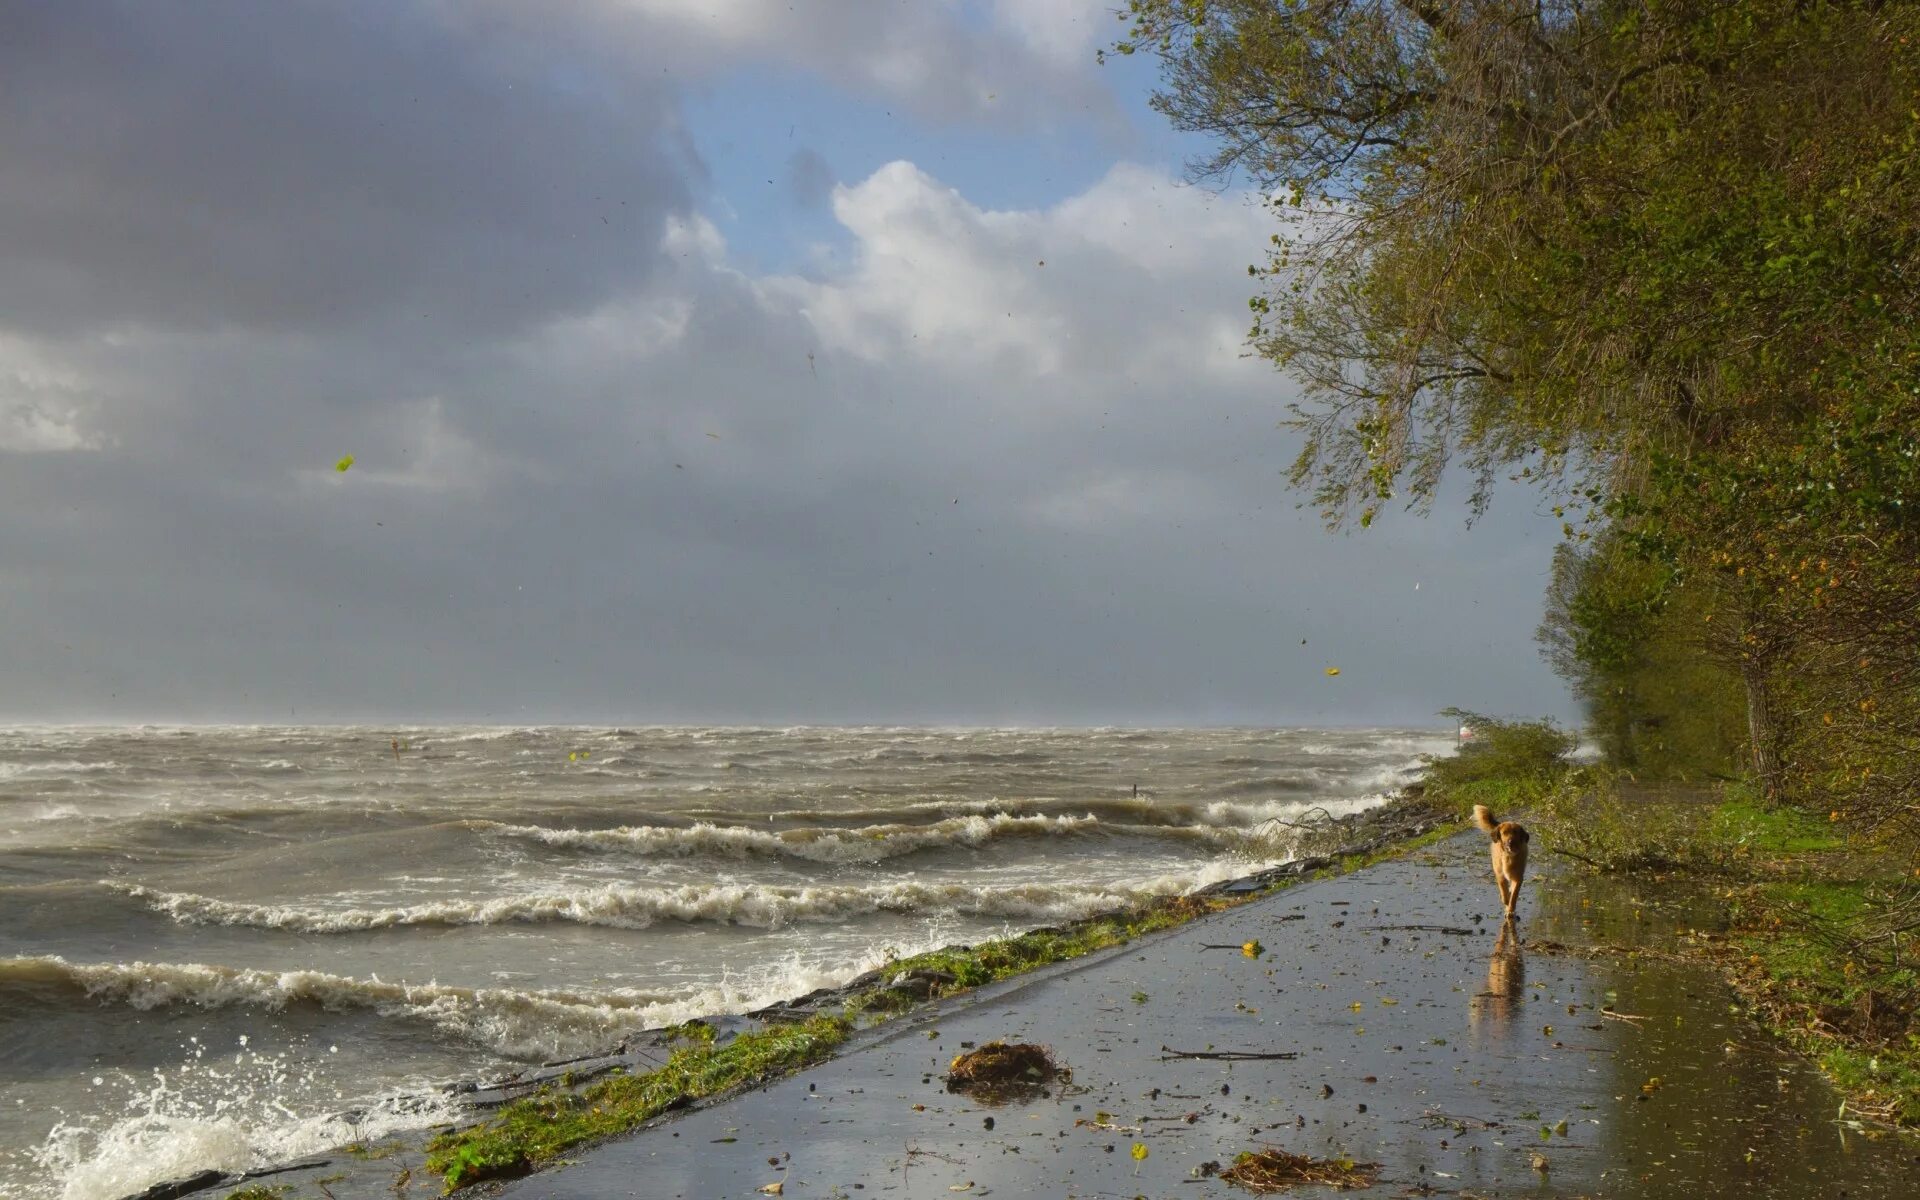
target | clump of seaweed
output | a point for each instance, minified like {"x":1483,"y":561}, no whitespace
{"x":1001,"y":1071}
{"x":1271,"y":1170}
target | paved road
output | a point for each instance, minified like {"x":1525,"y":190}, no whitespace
{"x":1434,"y":1054}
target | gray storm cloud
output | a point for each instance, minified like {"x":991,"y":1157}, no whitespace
{"x":989,"y":466}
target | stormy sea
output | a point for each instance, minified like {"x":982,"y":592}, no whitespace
{"x":227,"y":947}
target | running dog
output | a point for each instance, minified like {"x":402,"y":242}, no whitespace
{"x":1509,"y":854}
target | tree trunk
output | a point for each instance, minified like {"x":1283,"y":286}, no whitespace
{"x":1760,"y":728}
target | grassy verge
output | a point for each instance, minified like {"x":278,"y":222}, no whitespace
{"x":539,"y":1129}
{"x":1815,"y":957}
{"x":1821,"y":925}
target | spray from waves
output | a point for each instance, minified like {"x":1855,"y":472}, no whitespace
{"x":198,"y":1118}
{"x":620,"y":906}
{"x":860,"y":844}
{"x":177,"y":1124}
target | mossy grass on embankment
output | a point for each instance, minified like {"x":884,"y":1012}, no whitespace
{"x":1821,"y":922}
{"x":538,"y":1129}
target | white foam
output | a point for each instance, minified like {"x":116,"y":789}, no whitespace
{"x":14,"y":770}
{"x":864,"y":844}
{"x":514,"y":1023}
{"x":243,"y":1123}
{"x":623,"y":906}
{"x":237,"y":1120}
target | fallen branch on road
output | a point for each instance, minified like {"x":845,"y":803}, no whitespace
{"x":1455,"y":930}
{"x":1167,"y":1052}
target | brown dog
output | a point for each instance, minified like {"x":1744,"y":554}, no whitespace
{"x":1509,"y":854}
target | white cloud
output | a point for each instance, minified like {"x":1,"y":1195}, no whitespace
{"x":41,"y":396}
{"x":1131,"y":278}
{"x":27,"y":428}
{"x":1017,"y":65}
{"x":1068,"y":31}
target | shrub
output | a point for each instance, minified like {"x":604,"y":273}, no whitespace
{"x":1505,"y":765}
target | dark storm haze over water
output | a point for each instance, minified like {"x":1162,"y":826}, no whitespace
{"x":221,"y":942}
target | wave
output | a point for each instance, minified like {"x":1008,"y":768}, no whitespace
{"x":524,"y":1024}
{"x":512,"y":1023}
{"x":1145,"y":814}
{"x":620,"y":906}
{"x":1295,"y":782}
{"x":14,"y":770}
{"x":166,"y":1134}
{"x":236,"y":1118}
{"x":862,"y":844}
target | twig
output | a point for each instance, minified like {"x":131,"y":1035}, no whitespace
{"x":1326,"y":818}
{"x":1167,"y":1052}
{"x":1187,"y":1117}
{"x":1435,"y":1118}
{"x":1630,"y":1018}
{"x":1455,"y":930}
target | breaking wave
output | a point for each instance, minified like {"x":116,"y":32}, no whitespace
{"x":512,"y":1023}
{"x":621,"y":906}
{"x":1145,"y":814}
{"x":860,"y":844}
{"x":168,"y":1133}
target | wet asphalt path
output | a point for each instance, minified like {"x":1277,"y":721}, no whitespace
{"x":1459,"y":1064}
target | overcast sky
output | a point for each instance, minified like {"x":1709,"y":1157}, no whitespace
{"x":700,"y":360}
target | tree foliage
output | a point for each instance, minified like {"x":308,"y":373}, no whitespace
{"x":1628,"y":642}
{"x":1661,"y":257}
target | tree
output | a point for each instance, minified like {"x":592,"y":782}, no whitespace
{"x":1626,"y":637}
{"x":1659,"y":257}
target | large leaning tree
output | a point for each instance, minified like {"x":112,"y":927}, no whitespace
{"x":1659,"y":257}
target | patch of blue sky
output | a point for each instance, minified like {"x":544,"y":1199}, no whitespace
{"x":775,"y":139}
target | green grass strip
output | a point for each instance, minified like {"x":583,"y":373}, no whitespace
{"x":538,"y":1129}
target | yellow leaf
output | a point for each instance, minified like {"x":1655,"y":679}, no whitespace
{"x":777,"y":1187}
{"x":344,"y":463}
{"x":1139,"y":1151}
{"x":1333,"y":670}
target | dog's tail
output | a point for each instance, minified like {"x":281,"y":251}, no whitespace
{"x":1483,"y":817}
